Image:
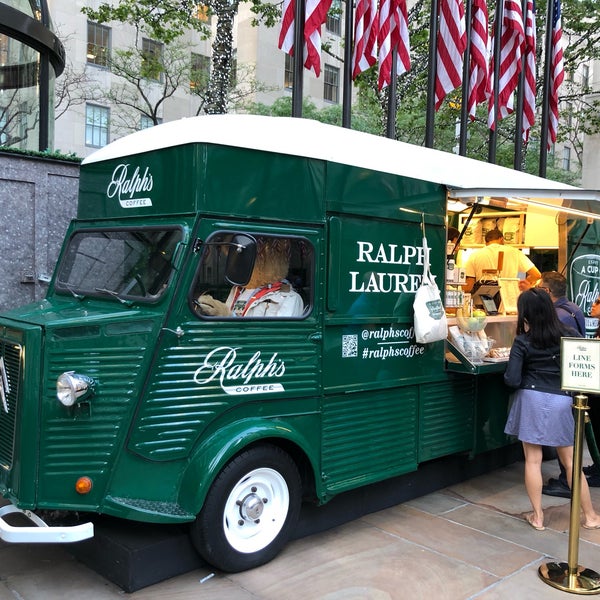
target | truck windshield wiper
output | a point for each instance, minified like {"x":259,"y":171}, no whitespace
{"x":73,"y":292}
{"x":116,"y":295}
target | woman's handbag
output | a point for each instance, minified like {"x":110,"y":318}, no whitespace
{"x":431,"y":324}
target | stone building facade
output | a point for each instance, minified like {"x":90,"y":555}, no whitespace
{"x":38,"y":198}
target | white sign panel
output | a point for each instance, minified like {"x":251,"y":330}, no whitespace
{"x":580,"y":365}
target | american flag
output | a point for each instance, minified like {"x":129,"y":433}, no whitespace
{"x":286,"y":35}
{"x":557,"y":74}
{"x":529,"y":74}
{"x":451,"y":44}
{"x":366,"y":27}
{"x":393,"y":34}
{"x":479,"y":75}
{"x":512,"y":42}
{"x":316,"y":14}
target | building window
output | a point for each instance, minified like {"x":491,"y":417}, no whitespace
{"x":566,"y":162}
{"x":569,"y":113}
{"x":585,"y":76}
{"x":333,"y":23}
{"x":288,"y":72}
{"x":3,"y":125}
{"x":331,"y":80}
{"x":98,"y":44}
{"x":146,"y":122}
{"x":199,"y":71}
{"x":24,"y":111}
{"x":96,"y":125}
{"x":152,"y":59}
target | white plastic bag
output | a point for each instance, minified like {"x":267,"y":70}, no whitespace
{"x":431,"y":324}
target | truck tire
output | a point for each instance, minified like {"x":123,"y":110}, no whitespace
{"x":250,"y":511}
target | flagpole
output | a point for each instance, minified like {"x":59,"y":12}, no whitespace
{"x":518,"y":158}
{"x":298,"y":86}
{"x":392,"y":98}
{"x":347,"y":86}
{"x":464,"y":109}
{"x":430,"y":110}
{"x":546,"y":96}
{"x":493,"y":137}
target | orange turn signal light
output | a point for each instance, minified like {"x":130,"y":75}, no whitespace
{"x":83,"y":485}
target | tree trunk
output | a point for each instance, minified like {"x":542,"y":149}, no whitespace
{"x":220,"y":77}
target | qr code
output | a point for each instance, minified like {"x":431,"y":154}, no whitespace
{"x":349,"y":346}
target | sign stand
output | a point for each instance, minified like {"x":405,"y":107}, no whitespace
{"x":579,"y":370}
{"x":572,"y":577}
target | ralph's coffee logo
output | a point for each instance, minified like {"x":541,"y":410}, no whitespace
{"x":257,"y":375}
{"x":585,"y":283}
{"x":130,"y":187}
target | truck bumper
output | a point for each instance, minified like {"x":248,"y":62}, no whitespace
{"x":40,"y":532}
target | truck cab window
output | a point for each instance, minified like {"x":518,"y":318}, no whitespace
{"x":253,"y":276}
{"x":125,"y":264}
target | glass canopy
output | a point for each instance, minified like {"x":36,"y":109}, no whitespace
{"x":31,"y":57}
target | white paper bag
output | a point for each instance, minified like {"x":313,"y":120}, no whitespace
{"x":431,"y":324}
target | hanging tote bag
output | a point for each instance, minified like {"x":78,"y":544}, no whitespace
{"x":431,"y":324}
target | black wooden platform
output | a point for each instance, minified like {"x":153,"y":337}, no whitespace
{"x":136,"y":555}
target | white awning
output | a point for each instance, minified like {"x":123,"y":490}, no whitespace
{"x":576,"y":202}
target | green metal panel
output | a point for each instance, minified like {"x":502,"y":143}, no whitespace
{"x":146,"y":184}
{"x":377,"y":354}
{"x":446,"y":411}
{"x":375,"y":267}
{"x":368,"y":437}
{"x":204,"y":381}
{"x":215,"y":179}
{"x":383,"y":195}
{"x":248,"y":184}
{"x":85,"y":439}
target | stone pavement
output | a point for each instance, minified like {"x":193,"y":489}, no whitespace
{"x":463,"y":542}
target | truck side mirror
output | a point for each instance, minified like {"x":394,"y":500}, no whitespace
{"x":240,"y":259}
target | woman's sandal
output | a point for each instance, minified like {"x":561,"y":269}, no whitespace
{"x":529,"y":519}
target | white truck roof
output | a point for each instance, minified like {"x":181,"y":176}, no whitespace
{"x":464,"y":177}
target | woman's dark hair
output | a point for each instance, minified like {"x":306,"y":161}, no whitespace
{"x":535,"y":307}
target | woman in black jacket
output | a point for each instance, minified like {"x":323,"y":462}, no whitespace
{"x":541,"y":413}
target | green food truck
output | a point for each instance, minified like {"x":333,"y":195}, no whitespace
{"x":229,"y":331}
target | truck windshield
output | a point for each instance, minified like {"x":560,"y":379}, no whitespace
{"x":124,"y":264}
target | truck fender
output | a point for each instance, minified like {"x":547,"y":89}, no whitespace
{"x":221,"y":446}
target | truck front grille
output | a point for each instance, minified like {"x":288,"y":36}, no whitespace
{"x":10,"y":376}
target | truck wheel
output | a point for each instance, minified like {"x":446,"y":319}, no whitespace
{"x":250,"y":510}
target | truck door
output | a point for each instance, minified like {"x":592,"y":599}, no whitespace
{"x":232,"y":349}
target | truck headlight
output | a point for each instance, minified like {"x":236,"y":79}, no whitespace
{"x":71,"y":386}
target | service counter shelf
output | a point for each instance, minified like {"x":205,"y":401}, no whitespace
{"x":499,"y":327}
{"x":457,"y":362}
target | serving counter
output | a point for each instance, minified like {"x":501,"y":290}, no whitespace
{"x":501,"y":328}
